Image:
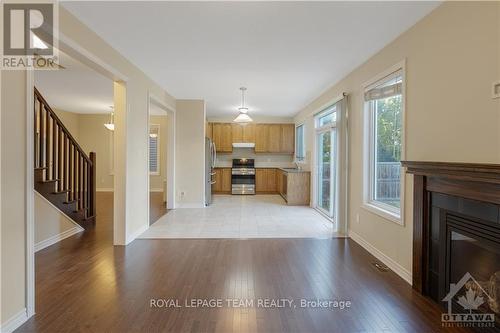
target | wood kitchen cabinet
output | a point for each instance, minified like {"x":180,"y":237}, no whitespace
{"x":268,"y":138}
{"x":294,"y":186}
{"x":222,"y":137}
{"x":249,"y":133}
{"x":274,"y":145}
{"x":208,"y":130}
{"x":261,"y":138}
{"x":222,"y":180}
{"x":236,"y":133}
{"x":265,"y":180}
{"x":287,"y":139}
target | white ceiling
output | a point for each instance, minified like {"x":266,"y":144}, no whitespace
{"x":285,"y":53}
{"x":77,"y":88}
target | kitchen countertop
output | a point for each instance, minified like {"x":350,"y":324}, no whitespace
{"x":286,"y":167}
{"x":259,"y":165}
{"x":293,"y":170}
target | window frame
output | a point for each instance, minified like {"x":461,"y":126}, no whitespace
{"x":158,"y":140}
{"x":384,"y":210}
{"x":301,"y":159}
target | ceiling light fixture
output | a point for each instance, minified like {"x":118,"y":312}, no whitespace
{"x":111,"y":125}
{"x":243,"y":118}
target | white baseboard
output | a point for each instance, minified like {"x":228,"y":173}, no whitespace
{"x":14,"y":322}
{"x":393,"y":265}
{"x":105,"y":189}
{"x":57,"y":238}
{"x":189,"y":205}
{"x":137,"y":233}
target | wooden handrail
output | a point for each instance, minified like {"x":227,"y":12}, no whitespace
{"x":62,"y":160}
{"x":60,"y":123}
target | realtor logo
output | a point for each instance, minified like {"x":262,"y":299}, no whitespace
{"x":29,"y":35}
{"x":470,"y":297}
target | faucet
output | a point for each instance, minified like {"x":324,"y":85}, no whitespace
{"x":297,"y":166}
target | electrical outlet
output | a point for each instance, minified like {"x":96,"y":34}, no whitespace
{"x":357,"y":218}
{"x":496,"y":90}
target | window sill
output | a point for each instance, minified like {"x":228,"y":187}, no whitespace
{"x":386,"y":214}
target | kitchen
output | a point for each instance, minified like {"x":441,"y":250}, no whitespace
{"x":267,"y":149}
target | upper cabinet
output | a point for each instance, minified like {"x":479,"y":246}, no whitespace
{"x":222,"y":137}
{"x":208,"y":130}
{"x":275,"y":143}
{"x":287,"y":138}
{"x":268,"y":138}
{"x":249,"y":133}
{"x":261,"y":138}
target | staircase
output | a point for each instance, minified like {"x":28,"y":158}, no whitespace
{"x":64,"y":174}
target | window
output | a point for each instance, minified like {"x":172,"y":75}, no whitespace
{"x":299,"y":143}
{"x":154,"y":149}
{"x":384,"y":117}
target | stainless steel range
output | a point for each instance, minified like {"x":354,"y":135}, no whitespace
{"x":243,"y":176}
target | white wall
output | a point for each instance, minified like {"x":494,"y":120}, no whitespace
{"x":452,"y":59}
{"x":190,"y":153}
{"x":51,"y":225}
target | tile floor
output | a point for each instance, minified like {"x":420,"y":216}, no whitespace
{"x":259,"y":216}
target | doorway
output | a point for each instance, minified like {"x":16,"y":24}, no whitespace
{"x":331,"y":173}
{"x":160,"y":158}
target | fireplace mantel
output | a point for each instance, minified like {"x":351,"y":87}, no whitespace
{"x":479,"y":182}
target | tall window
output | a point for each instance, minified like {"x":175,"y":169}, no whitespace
{"x":154,"y":149}
{"x":384,"y":114}
{"x":299,"y":143}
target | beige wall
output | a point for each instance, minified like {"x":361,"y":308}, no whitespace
{"x":156,"y":181}
{"x":49,"y":221}
{"x":13,"y":205}
{"x":70,"y":120}
{"x":89,"y":131}
{"x":131,"y":167}
{"x":190,"y":153}
{"x":94,"y":137}
{"x":452,"y":59}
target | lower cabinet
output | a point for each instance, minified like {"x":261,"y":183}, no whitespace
{"x":265,"y":180}
{"x":222,"y":180}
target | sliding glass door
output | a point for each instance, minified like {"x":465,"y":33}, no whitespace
{"x":326,"y":172}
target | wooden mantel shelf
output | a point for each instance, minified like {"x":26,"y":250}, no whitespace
{"x":489,"y":173}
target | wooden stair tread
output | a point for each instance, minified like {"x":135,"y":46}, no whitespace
{"x":61,"y":192}
{"x":41,"y":168}
{"x":49,"y":181}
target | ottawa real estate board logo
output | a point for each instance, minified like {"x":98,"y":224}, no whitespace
{"x":30,"y":35}
{"x":471,"y":303}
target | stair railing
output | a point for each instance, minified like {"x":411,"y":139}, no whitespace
{"x":62,"y":159}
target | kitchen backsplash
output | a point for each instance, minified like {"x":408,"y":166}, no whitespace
{"x":261,"y":160}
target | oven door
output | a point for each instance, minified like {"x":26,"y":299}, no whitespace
{"x":243,"y":184}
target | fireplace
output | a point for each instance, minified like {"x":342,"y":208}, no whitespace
{"x":456,"y":235}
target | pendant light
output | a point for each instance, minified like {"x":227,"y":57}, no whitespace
{"x":243,"y":118}
{"x":111,"y":125}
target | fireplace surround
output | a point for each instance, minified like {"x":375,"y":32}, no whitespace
{"x":456,"y":226}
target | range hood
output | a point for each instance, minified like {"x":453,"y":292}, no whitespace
{"x":243,"y":144}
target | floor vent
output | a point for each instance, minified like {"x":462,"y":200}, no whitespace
{"x":380,"y":267}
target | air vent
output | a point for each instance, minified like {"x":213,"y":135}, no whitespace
{"x":380,"y":267}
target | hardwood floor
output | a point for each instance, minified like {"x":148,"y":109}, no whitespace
{"x":156,"y":206}
{"x":84,"y":284}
